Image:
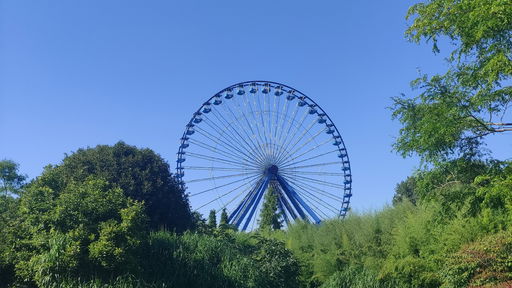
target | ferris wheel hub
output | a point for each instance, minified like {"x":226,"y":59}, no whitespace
{"x":272,"y":170}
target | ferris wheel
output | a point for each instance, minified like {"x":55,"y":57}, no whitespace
{"x":259,"y":134}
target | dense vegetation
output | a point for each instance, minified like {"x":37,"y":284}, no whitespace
{"x":97,"y":219}
{"x":459,"y":234}
{"x":113,"y":216}
{"x":450,"y":226}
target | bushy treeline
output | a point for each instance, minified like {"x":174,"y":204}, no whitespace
{"x":113,"y":216}
{"x":458,"y":234}
{"x":89,"y":222}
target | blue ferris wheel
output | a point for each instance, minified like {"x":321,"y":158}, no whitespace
{"x":259,"y":134}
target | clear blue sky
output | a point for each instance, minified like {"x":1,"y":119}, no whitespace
{"x":80,"y":73}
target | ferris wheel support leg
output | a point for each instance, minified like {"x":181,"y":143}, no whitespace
{"x":286,"y":205}
{"x":281,"y":208}
{"x":254,"y":204}
{"x":233,"y":216}
{"x":241,"y":210}
{"x":294,"y":198}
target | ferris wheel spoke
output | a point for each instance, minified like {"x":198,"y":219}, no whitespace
{"x":304,"y":144}
{"x":262,"y":119}
{"x":222,"y":143}
{"x":285,"y":113}
{"x":249,"y":109}
{"x":228,"y":125}
{"x":303,"y":134}
{"x":221,"y":177}
{"x":272,"y":114}
{"x":218,"y":141}
{"x":257,"y":119}
{"x":212,"y":158}
{"x":280,"y":139}
{"x":285,"y":109}
{"x":320,"y":202}
{"x":321,"y":182}
{"x":301,"y":183}
{"x":311,"y":165}
{"x":220,"y":186}
{"x":226,"y":194}
{"x":304,"y":153}
{"x":213,"y":168}
{"x":300,"y":138}
{"x":276,"y":108}
{"x":300,"y":189}
{"x":223,"y":134}
{"x":263,"y":147}
{"x":219,"y":151}
{"x":300,"y":124}
{"x":254,"y":146}
{"x":317,"y":173}
{"x":297,"y":128}
{"x":310,"y":158}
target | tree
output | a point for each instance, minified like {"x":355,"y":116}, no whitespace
{"x":212,"y":219}
{"x":456,"y":110}
{"x":89,"y":228}
{"x":224,"y":223}
{"x":10,"y":179}
{"x":141,"y":174}
{"x":405,"y":190}
{"x":270,"y":217}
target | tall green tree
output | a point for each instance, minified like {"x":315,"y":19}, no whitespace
{"x":11,"y":180}
{"x":223,"y":219}
{"x":405,"y":191}
{"x":270,"y":216}
{"x":212,"y":219}
{"x":141,"y":174}
{"x":454,"y":111}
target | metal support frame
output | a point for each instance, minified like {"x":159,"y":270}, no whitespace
{"x":294,"y":197}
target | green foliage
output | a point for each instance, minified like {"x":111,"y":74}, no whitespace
{"x":496,"y":206}
{"x":485,"y":262}
{"x":212,"y":219}
{"x":352,"y":277}
{"x":405,"y":191}
{"x":450,"y":184}
{"x":226,"y":260}
{"x":8,"y":215}
{"x":90,"y":234}
{"x":269,"y":216}
{"x":454,"y":111}
{"x":417,"y":245}
{"x":276,"y":263}
{"x":90,"y":228}
{"x":10,"y":179}
{"x":141,"y":174}
{"x":224,"y":223}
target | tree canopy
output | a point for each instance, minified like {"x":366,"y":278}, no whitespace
{"x":454,"y":111}
{"x":269,"y":216}
{"x":10,"y":179}
{"x":141,"y":174}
